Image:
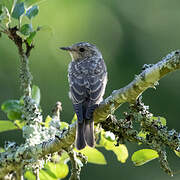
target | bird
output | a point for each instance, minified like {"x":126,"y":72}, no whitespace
{"x":87,"y":76}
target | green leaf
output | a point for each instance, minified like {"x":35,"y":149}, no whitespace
{"x":93,"y":155}
{"x":10,"y":105}
{"x":29,"y":175}
{"x":14,"y":115}
{"x":19,"y":123}
{"x":6,"y":125}
{"x":18,"y":10}
{"x":45,"y":174}
{"x":60,"y":157}
{"x":177,"y":153}
{"x":64,"y":125}
{"x":74,"y":119}
{"x":22,"y":35}
{"x":64,"y":157}
{"x":8,"y":4}
{"x":13,"y":108}
{"x":5,"y":17}
{"x":36,"y":94}
{"x":26,"y":29}
{"x":47,"y":121}
{"x":108,"y":145}
{"x":32,"y":12}
{"x":142,"y":134}
{"x":120,"y":151}
{"x":60,"y":170}
{"x":161,"y":119}
{"x":31,"y":37}
{"x":143,"y":156}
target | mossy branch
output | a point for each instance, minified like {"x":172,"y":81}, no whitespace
{"x":23,"y":155}
{"x":147,"y":79}
{"x":75,"y":170}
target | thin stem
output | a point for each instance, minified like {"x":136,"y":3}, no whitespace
{"x":19,"y":174}
{"x":56,"y":110}
{"x":25,"y":75}
{"x":37,"y":174}
{"x":164,"y":163}
{"x":75,"y":169}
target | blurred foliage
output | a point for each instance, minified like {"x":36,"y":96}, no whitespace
{"x":129,"y":34}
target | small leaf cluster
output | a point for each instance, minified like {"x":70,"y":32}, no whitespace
{"x":56,"y":169}
{"x":14,"y":111}
{"x":12,"y":13}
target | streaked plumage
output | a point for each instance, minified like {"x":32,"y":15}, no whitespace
{"x":87,"y":77}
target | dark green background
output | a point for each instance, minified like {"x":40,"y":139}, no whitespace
{"x":129,"y":34}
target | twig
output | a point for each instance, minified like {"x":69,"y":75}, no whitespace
{"x":55,"y":121}
{"x":56,"y":110}
{"x":37,"y":174}
{"x":31,"y":112}
{"x":28,"y":48}
{"x":75,"y":169}
{"x":164,"y":163}
{"x":19,"y":174}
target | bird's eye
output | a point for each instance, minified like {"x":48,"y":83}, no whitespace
{"x":81,"y":49}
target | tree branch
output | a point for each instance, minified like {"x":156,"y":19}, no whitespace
{"x":147,"y":79}
{"x":24,"y":155}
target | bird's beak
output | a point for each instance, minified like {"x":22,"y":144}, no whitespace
{"x":69,"y":48}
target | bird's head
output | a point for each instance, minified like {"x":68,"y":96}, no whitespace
{"x":82,"y":50}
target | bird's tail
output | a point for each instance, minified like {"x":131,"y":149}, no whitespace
{"x":80,"y":137}
{"x":89,"y":132}
{"x":85,"y":126}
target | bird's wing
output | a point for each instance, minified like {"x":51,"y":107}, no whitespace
{"x":76,"y":82}
{"x":98,"y":82}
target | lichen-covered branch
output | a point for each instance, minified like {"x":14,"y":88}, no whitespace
{"x":152,"y":132}
{"x":31,"y":112}
{"x":147,"y":79}
{"x":24,"y":155}
{"x":75,"y":170}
